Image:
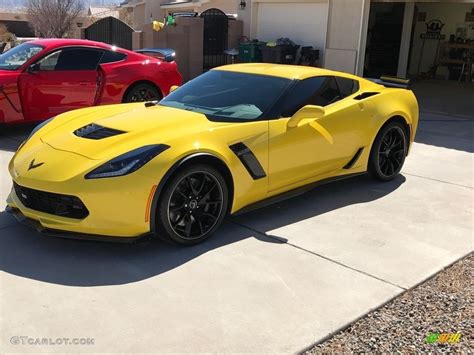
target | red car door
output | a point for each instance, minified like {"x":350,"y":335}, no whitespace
{"x":61,"y":81}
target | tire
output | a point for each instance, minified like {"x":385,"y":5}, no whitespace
{"x":388,"y":152}
{"x":192,"y":206}
{"x":142,"y":93}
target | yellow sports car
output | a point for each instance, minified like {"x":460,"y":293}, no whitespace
{"x":232,"y":137}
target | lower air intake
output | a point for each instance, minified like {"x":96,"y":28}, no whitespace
{"x":52,"y":203}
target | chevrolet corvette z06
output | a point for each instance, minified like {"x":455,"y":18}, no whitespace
{"x":230,"y":138}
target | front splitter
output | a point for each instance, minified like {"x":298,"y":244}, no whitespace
{"x":36,"y":225}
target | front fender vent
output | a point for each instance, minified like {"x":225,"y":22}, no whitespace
{"x":249,"y":160}
{"x":95,"y":131}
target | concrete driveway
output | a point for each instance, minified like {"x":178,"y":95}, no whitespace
{"x":274,"y":280}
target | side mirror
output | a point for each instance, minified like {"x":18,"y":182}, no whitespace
{"x":33,"y":68}
{"x":307,"y":112}
{"x":173,"y":88}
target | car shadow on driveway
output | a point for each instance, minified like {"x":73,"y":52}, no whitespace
{"x":25,"y":253}
{"x":12,"y":136}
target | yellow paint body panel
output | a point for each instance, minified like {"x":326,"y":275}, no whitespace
{"x":291,"y":157}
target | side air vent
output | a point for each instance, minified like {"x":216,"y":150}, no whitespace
{"x":249,"y":160}
{"x":365,"y":95}
{"x":95,"y":131}
{"x":354,"y":159}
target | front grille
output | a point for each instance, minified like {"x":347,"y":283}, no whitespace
{"x":48,"y":202}
{"x":95,"y":131}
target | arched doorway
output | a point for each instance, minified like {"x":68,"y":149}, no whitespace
{"x":110,"y":30}
{"x":215,"y":38}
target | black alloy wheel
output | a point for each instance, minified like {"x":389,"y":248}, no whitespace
{"x":388,"y":152}
{"x":142,"y":93}
{"x":193,"y":205}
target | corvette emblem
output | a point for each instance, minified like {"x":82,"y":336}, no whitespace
{"x":33,"y":165}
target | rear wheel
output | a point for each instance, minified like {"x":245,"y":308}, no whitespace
{"x":193,"y":205}
{"x":142,"y":93}
{"x":388,"y":152}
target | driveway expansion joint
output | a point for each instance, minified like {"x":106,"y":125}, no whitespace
{"x":282,"y":241}
{"x":391,"y":299}
{"x":438,"y":180}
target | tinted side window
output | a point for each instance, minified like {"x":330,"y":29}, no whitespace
{"x":78,"y":59}
{"x":347,"y":86}
{"x":111,"y":56}
{"x":300,"y":95}
{"x":328,"y":94}
{"x":319,"y":90}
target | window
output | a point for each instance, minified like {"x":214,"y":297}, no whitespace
{"x":228,"y":96}
{"x":49,"y":62}
{"x":319,"y":90}
{"x":111,"y":57}
{"x":17,"y":56}
{"x":329,"y":93}
{"x":71,"y":59}
{"x":346,"y":86}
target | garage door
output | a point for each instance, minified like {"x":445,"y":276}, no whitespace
{"x":304,"y":23}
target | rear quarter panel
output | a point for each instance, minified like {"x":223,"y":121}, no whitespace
{"x":119,"y":76}
{"x":390,"y":103}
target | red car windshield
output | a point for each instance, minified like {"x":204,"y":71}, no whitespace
{"x":17,"y":56}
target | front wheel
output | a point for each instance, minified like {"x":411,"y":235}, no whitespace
{"x":388,"y":152}
{"x":193,"y":205}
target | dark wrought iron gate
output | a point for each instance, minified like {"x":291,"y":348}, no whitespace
{"x":110,"y":30}
{"x":216,"y":26}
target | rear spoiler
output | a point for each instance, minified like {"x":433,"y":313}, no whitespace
{"x":393,"y":82}
{"x":166,"y":54}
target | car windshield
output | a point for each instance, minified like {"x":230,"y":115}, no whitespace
{"x":17,"y":56}
{"x":228,"y":96}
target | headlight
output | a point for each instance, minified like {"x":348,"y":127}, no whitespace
{"x":127,"y":163}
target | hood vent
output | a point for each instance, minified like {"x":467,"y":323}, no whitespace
{"x":95,"y":131}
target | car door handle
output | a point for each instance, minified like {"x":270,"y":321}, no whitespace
{"x":83,"y":83}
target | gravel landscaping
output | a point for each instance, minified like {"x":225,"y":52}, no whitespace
{"x":443,"y":304}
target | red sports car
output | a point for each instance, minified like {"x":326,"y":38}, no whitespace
{"x":43,"y":78}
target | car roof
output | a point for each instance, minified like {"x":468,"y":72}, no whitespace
{"x":293,"y":72}
{"x":60,"y":42}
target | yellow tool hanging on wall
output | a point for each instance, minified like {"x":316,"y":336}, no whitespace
{"x":157,"y":26}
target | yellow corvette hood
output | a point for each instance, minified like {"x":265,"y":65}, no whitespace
{"x":142,"y":126}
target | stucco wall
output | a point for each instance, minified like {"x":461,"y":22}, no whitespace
{"x":139,"y":15}
{"x":185,"y":38}
{"x":347,"y":27}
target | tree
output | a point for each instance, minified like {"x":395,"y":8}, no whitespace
{"x":126,"y":16}
{"x":53,"y":18}
{"x":5,"y":35}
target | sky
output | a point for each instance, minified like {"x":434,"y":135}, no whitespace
{"x":11,"y":4}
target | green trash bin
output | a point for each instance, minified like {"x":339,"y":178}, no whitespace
{"x":249,"y":52}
